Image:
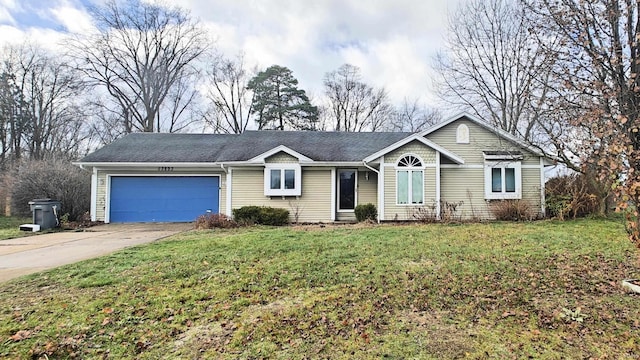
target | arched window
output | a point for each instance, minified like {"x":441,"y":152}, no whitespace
{"x":409,"y":181}
{"x":462,"y":134}
{"x":409,"y":161}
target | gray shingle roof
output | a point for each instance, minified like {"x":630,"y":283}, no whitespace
{"x":319,"y":146}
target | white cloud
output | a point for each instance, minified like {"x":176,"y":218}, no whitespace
{"x":6,"y":8}
{"x":393,"y":42}
{"x":73,"y":19}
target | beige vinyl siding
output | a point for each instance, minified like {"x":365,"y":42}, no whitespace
{"x":465,"y":186}
{"x":392,"y":211}
{"x":314,"y":204}
{"x":531,"y":188}
{"x":282,"y":158}
{"x":101,"y":200}
{"x":427,"y":154}
{"x":367,"y":189}
{"x":480,"y":139}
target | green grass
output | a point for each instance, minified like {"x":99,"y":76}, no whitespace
{"x":429,"y":292}
{"x":9,"y":227}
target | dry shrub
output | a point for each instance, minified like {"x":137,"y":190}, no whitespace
{"x":573,"y":196}
{"x":428,"y":213}
{"x":215,"y":221}
{"x":57,"y":179}
{"x":512,"y":210}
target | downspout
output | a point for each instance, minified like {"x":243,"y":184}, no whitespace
{"x":94,"y":195}
{"x":377,"y":192}
{"x":228,"y":189}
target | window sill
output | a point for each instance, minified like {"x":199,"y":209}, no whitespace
{"x":503,"y":196}
{"x":289,"y":193}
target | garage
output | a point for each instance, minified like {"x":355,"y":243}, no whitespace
{"x":162,"y":198}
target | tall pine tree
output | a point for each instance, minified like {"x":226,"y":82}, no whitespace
{"x":278,"y":102}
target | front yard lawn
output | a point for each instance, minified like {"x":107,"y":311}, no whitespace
{"x":10,"y":227}
{"x":504,"y":290}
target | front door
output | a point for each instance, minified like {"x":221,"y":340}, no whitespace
{"x":347,"y":182}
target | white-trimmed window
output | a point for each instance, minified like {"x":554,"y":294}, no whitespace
{"x":409,"y":181}
{"x":503,"y":180}
{"x":282,"y":180}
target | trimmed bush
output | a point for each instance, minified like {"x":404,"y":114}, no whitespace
{"x":213,"y":221}
{"x":511,"y":210}
{"x":247,"y":214}
{"x":366,"y":212}
{"x":263,"y":215}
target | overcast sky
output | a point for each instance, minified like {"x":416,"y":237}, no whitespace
{"x":392,"y":41}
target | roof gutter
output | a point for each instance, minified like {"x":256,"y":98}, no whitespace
{"x":370,"y":168}
{"x":148,"y":164}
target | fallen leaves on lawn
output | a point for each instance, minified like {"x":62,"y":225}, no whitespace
{"x":20,"y":335}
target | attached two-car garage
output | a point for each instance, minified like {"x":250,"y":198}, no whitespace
{"x":162,"y":198}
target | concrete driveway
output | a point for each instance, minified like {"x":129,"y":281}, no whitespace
{"x":41,"y":252}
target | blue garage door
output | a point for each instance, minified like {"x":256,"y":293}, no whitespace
{"x":162,"y":198}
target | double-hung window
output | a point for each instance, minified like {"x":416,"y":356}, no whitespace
{"x":282,"y":180}
{"x":409,"y":181}
{"x":503,"y":179}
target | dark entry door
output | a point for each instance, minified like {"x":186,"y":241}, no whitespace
{"x":347,"y":189}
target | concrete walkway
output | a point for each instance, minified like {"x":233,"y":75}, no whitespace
{"x":31,"y":254}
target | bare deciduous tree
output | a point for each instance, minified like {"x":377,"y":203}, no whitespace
{"x":412,"y":116}
{"x":493,"y":67}
{"x":43,"y":116}
{"x":140,"y":53}
{"x":599,"y":63}
{"x":12,"y":116}
{"x":354,"y":105}
{"x":231,"y":100}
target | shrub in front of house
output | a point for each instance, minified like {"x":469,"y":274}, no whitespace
{"x":263,"y":215}
{"x":512,"y":210}
{"x":366,"y":212}
{"x":247,"y":214}
{"x":576,"y":195}
{"x":273,"y":216}
{"x":213,"y":221}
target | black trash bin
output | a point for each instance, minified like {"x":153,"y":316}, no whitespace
{"x":46,"y":213}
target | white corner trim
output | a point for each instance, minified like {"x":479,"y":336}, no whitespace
{"x":107,"y":199}
{"x":438,"y":185}
{"x":333,"y":194}
{"x":381,"y":190}
{"x":543,"y":200}
{"x":94,"y":194}
{"x":228,"y":201}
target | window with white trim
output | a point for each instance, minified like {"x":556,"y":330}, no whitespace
{"x":409,"y":181}
{"x":503,"y":180}
{"x":282,"y":180}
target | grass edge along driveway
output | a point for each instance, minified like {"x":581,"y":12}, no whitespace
{"x":502,"y":290}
